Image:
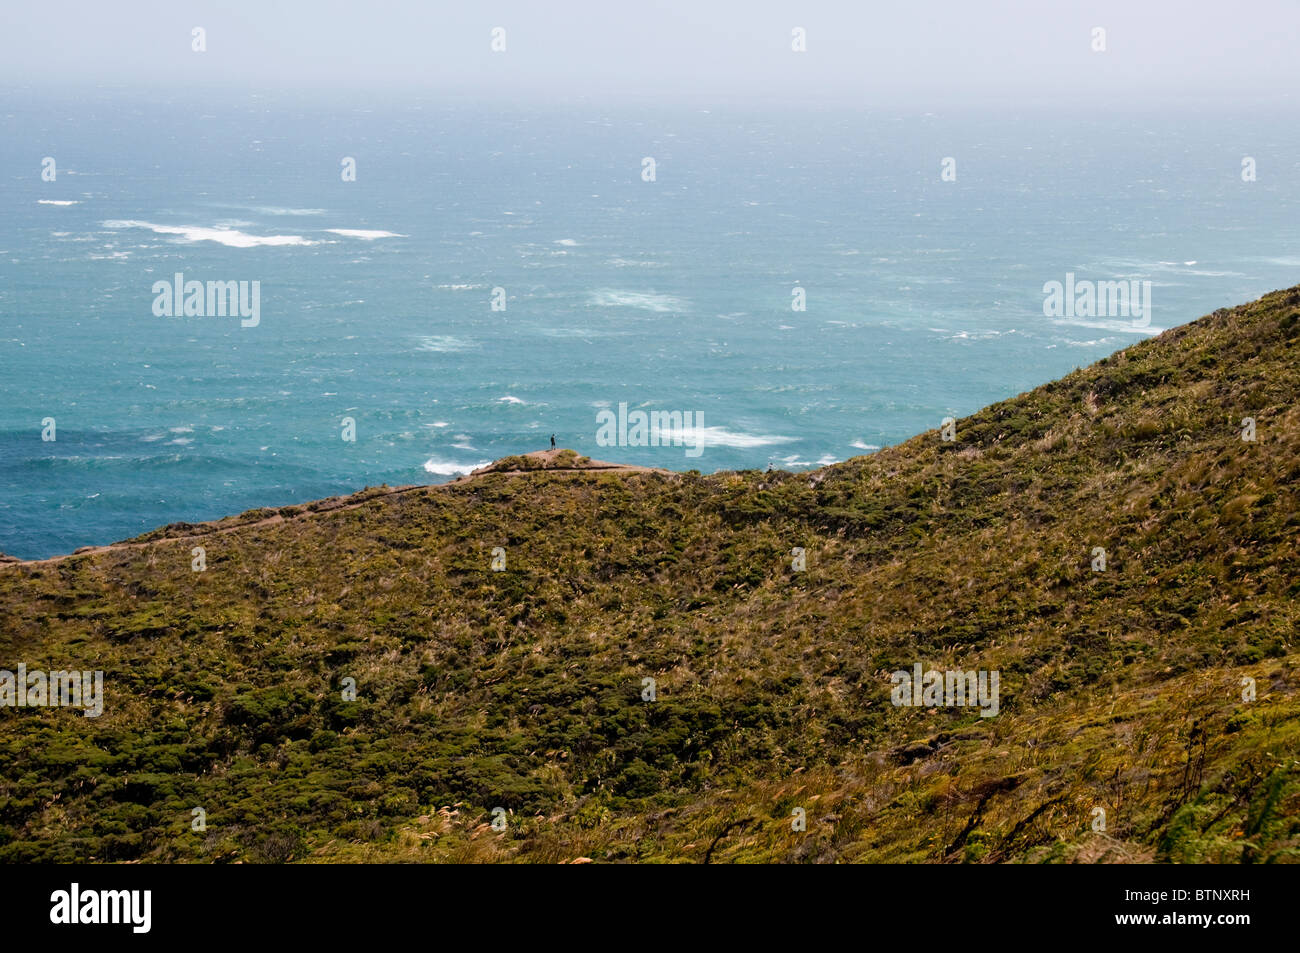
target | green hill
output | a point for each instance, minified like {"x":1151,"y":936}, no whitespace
{"x":1121,"y":689}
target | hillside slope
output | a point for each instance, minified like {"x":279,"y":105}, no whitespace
{"x":1121,"y":690}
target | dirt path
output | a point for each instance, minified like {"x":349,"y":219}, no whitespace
{"x":339,"y":505}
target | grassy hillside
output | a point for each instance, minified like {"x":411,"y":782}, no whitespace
{"x":1121,"y":690}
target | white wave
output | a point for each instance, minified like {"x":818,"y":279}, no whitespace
{"x":974,"y":334}
{"x":463,"y":446}
{"x":225,"y":236}
{"x":567,"y":242}
{"x":858,"y":444}
{"x":58,"y":202}
{"x":630,"y":263}
{"x":613,"y":298}
{"x":443,"y":343}
{"x":721,"y":437}
{"x":281,"y":210}
{"x":1128,"y":269}
{"x":365,"y":233}
{"x":793,"y":462}
{"x":510,"y":400}
{"x":181,"y":429}
{"x":275,"y":209}
{"x":451,"y":468}
{"x":459,"y":287}
{"x":582,"y":334}
{"x":1118,"y":326}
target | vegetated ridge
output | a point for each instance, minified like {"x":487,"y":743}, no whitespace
{"x":1147,"y":710}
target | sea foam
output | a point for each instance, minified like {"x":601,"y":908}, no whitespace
{"x":364,"y":233}
{"x":442,"y":343}
{"x":721,"y":437}
{"x":613,"y":298}
{"x":451,"y":468}
{"x":224,"y":236}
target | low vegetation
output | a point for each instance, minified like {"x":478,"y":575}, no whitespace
{"x":1148,"y":711}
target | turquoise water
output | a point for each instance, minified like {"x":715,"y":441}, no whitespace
{"x":924,"y":297}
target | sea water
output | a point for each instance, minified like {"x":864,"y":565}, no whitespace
{"x":810,"y":284}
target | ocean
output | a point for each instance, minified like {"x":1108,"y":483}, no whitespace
{"x":923,"y":295}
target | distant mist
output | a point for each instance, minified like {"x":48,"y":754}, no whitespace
{"x":924,"y":53}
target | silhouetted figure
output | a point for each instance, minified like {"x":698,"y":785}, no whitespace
{"x":552,"y":441}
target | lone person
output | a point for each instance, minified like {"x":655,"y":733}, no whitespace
{"x":552,"y":441}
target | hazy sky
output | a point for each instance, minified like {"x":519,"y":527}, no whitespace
{"x":932,"y":51}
